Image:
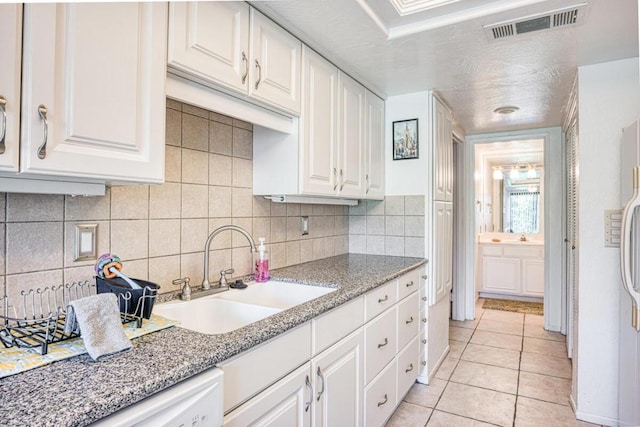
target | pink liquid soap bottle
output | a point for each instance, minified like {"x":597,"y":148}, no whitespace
{"x":262,"y":263}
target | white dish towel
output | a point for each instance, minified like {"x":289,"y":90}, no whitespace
{"x":98,"y":317}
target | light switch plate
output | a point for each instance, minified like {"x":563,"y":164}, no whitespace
{"x":305,"y":225}
{"x":85,"y":246}
{"x":612,"y":228}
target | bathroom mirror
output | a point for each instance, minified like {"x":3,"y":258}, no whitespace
{"x":518,"y":202}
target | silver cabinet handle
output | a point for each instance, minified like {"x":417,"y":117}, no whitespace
{"x":410,"y":284}
{"x":3,"y":129}
{"x":335,"y":177}
{"x":341,"y":180}
{"x":259,"y":74}
{"x":386,"y":399}
{"x":321,"y":378}
{"x":381,"y":300}
{"x":246,"y":67}
{"x":406,"y":322}
{"x":307,"y":382}
{"x":42,"y":150}
{"x":386,"y":341}
{"x":366,"y":178}
{"x":409,"y":369}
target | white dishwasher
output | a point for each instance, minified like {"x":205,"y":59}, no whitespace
{"x":194,"y":402}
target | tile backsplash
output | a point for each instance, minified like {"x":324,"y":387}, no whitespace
{"x":393,"y":226}
{"x":159,"y":231}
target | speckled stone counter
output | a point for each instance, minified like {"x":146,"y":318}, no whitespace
{"x":78,"y":391}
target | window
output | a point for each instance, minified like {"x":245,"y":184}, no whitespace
{"x":522,"y":210}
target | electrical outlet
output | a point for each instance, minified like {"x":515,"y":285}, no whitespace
{"x":305,"y":225}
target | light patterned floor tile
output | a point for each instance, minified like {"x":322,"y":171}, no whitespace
{"x":546,"y":365}
{"x":486,"y":376}
{"x":409,"y":415}
{"x":543,"y":387}
{"x":537,"y":331}
{"x":456,"y":348}
{"x":478,"y":403}
{"x":494,"y":339}
{"x":460,"y":334}
{"x":446,"y":368}
{"x":491,"y":356}
{"x":467,"y":324}
{"x":535,"y":413}
{"x":500,"y":327}
{"x":547,"y":347}
{"x":534,"y":319}
{"x":426,"y":395}
{"x":444,"y":419}
{"x":503,"y":316}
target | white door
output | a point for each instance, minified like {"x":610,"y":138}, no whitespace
{"x":287,"y":403}
{"x":374,"y":166}
{"x":318,"y":123}
{"x":274,"y":72}
{"x":338,"y":383}
{"x":210,"y":42}
{"x":443,"y":153}
{"x":10,"y":52}
{"x":442,"y":251}
{"x":93,"y":101}
{"x":351,"y":137}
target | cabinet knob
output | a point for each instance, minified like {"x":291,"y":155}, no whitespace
{"x":424,"y":299}
{"x":424,"y":341}
{"x":424,"y":363}
{"x":424,"y":320}
{"x":425,"y":277}
{"x":42,"y":150}
{"x":3,"y":129}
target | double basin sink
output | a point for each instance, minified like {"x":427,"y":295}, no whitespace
{"x":230,"y":310}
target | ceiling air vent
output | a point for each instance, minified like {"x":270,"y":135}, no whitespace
{"x":558,"y":18}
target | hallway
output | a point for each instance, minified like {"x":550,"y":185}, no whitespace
{"x":503,"y":369}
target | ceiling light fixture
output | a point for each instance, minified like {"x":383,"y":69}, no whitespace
{"x":514,"y":174}
{"x":506,"y":109}
{"x":497,"y":173}
{"x":531,"y":172}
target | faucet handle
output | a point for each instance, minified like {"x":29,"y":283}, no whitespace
{"x":186,"y":288}
{"x":223,"y":276}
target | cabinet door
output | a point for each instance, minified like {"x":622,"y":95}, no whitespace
{"x":319,"y":130}
{"x":442,"y":251}
{"x":275,"y":64}
{"x":443,"y":153}
{"x":351,"y":137}
{"x":287,"y":403}
{"x":533,"y":277}
{"x":10,"y":52}
{"x":339,"y":384}
{"x":374,"y":136}
{"x":501,"y":275}
{"x":96,"y":71}
{"x":210,"y":42}
{"x":380,"y":397}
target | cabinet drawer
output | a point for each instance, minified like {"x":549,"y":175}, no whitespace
{"x":408,"y":320}
{"x":378,"y":300}
{"x":408,"y":283}
{"x":380,"y":397}
{"x":254,"y":370}
{"x":380,"y":343}
{"x":408,"y":366}
{"x":331,"y":327}
{"x":523,"y":251}
{"x":492,"y":250}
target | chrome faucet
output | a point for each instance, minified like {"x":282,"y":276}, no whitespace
{"x":523,"y":237}
{"x":205,"y":282}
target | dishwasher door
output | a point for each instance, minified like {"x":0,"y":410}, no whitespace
{"x":194,"y":402}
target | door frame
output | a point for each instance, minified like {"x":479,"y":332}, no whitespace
{"x":554,"y":286}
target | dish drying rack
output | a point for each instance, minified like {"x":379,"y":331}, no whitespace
{"x":41,"y":319}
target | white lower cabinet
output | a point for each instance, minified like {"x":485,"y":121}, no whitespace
{"x":380,"y":397}
{"x":337,"y":398}
{"x":340,"y":369}
{"x":284,"y":404}
{"x":512,"y":269}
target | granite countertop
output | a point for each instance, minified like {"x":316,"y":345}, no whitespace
{"x":78,"y":391}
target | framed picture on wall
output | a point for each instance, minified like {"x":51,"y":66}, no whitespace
{"x":405,"y":139}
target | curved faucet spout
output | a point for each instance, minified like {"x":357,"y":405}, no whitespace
{"x":205,"y":282}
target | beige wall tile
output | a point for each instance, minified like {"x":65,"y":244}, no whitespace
{"x":414,"y":205}
{"x":194,"y":235}
{"x":359,"y":209}
{"x":261,"y":207}
{"x":262,"y":228}
{"x":374,"y":225}
{"x":220,"y":118}
{"x":196,"y":111}
{"x":242,"y":173}
{"x":34,"y":207}
{"x":293,"y":252}
{"x":34,"y":246}
{"x":173,"y":104}
{"x":15,"y":283}
{"x":220,"y":170}
{"x":130,"y":202}
{"x":219,"y":202}
{"x":219,"y":260}
{"x":220,"y":138}
{"x":223,"y":239}
{"x":241,"y":202}
{"x":241,"y":262}
{"x":306,"y":250}
{"x":278,"y":229}
{"x":375,"y":245}
{"x":306,"y":210}
{"x":172,"y":164}
{"x":374,"y":207}
{"x":130,"y":239}
{"x":195,"y":201}
{"x":294,"y":228}
{"x":103,"y":235}
{"x":163,"y":270}
{"x":394,"y":205}
{"x":165,"y":200}
{"x":93,"y":208}
{"x":414,"y":226}
{"x":278,"y":209}
{"x":164,"y":237}
{"x":357,"y":224}
{"x":414,"y":247}
{"x":341,"y":243}
{"x":329,"y":248}
{"x":394,"y":225}
{"x":137,"y":269}
{"x":237,"y":239}
{"x":318,"y":248}
{"x":173,"y":134}
{"x":242,"y":143}
{"x":357,"y":244}
{"x":278,"y":255}
{"x":293,"y":209}
{"x":81,"y":274}
{"x":242,"y":124}
{"x":195,"y":167}
{"x":192,"y":266}
{"x":394,"y":246}
{"x":2,"y":252}
{"x":195,"y":132}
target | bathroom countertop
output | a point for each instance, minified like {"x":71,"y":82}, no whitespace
{"x":78,"y":391}
{"x":513,"y":242}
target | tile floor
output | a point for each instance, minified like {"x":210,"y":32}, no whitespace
{"x":503,"y":369}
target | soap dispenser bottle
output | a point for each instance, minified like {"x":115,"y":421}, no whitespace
{"x":262,"y":262}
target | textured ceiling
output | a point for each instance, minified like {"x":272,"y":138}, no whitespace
{"x":472,"y":74}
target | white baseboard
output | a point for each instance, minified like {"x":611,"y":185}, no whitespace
{"x":444,"y":355}
{"x":510,"y":297}
{"x":590,"y":418}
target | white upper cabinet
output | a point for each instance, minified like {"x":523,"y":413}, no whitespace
{"x":10,"y":52}
{"x":374,"y":144}
{"x":351,"y":119}
{"x":318,"y":125}
{"x":231,"y":46}
{"x":93,"y":90}
{"x":210,"y":42}
{"x":443,"y":152}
